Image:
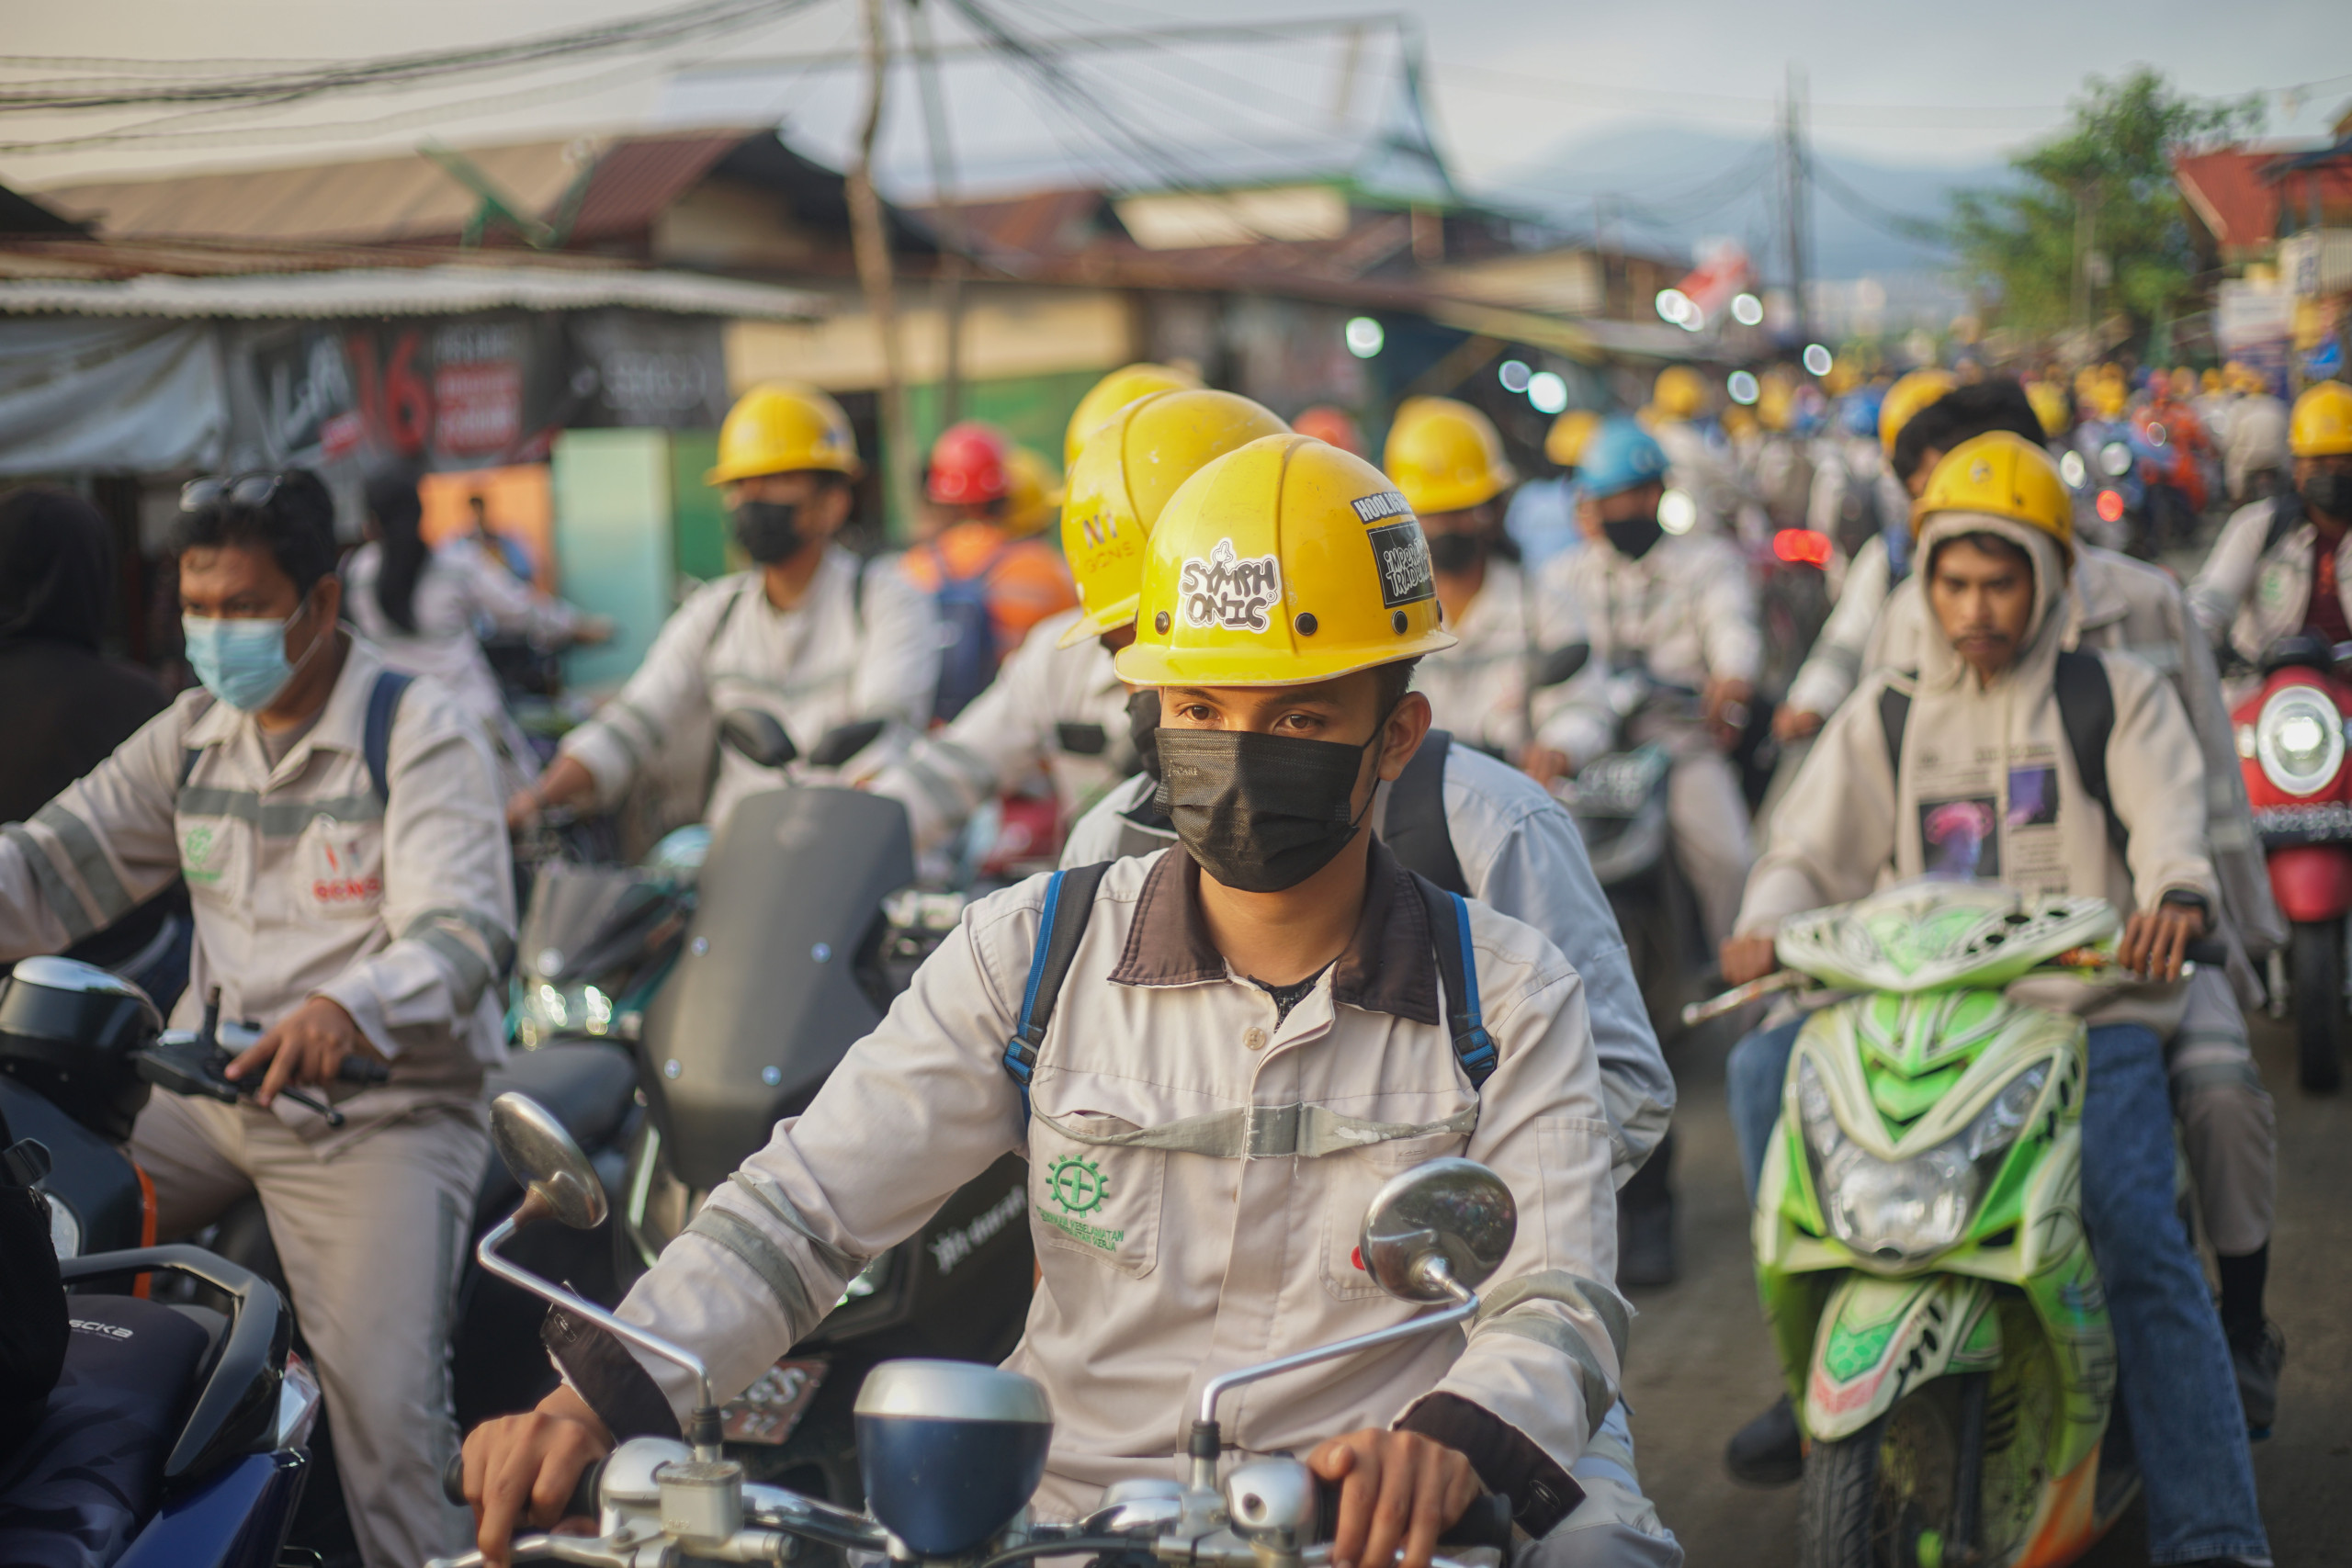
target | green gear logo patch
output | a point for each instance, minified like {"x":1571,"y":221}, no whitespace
{"x":1077,"y":1185}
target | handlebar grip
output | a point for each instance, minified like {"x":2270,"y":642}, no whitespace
{"x":582,"y":1504}
{"x":1485,"y":1522}
{"x":356,"y":1068}
{"x":2206,"y":950}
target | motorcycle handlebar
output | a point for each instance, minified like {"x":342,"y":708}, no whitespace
{"x":1485,"y":1522}
{"x":581,"y":1505}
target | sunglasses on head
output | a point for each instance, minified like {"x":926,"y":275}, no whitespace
{"x":245,"y":490}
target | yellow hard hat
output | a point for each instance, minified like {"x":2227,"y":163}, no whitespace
{"x":1775,"y":400}
{"x":1563,"y":443}
{"x":2000,"y":474}
{"x":2049,"y":401}
{"x":1906,"y":398}
{"x":1031,"y":495}
{"x":2321,"y":424}
{"x":2108,"y":398}
{"x":2210,"y":381}
{"x":1739,"y":424}
{"x":1679,"y":392}
{"x":1285,"y":562}
{"x":1445,"y":456}
{"x":1114,"y":392}
{"x":1123,"y":478}
{"x":780,"y":428}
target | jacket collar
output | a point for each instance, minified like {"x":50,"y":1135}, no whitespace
{"x":1387,"y":965}
{"x":342,"y":724}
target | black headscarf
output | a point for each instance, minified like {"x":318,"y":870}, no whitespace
{"x":56,"y":563}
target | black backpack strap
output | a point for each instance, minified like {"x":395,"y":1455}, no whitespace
{"x":2285,"y":514}
{"x":1416,"y":829}
{"x":1069,"y":905}
{"x":2086,"y":709}
{"x":1457,"y":967}
{"x":1894,"y":716}
{"x":376,"y":739}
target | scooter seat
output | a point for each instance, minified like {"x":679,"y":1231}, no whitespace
{"x":74,"y":1493}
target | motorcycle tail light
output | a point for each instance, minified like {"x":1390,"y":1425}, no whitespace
{"x":2111,"y":506}
{"x":1802,"y":547}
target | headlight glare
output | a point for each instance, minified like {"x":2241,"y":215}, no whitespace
{"x":2299,"y":739}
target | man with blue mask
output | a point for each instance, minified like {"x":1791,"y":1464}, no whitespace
{"x":338,"y":828}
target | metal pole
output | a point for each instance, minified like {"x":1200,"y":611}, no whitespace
{"x":953,"y":241}
{"x":871,"y":244}
{"x":1799,"y":185}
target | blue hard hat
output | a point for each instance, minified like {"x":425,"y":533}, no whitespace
{"x":1861,"y":410}
{"x":1620,"y":457}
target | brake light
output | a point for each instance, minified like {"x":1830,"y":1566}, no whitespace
{"x":1802,"y":547}
{"x":2111,"y":506}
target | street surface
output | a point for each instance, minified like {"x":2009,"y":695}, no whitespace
{"x":1700,"y":1365}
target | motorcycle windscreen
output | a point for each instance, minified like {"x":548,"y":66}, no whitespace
{"x":767,"y":995}
{"x":586,"y":920}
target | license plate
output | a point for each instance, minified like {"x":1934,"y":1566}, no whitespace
{"x":768,"y":1410}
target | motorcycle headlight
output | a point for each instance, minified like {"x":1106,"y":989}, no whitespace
{"x":2299,"y":739}
{"x":2073,"y":471}
{"x":1908,"y":1211}
{"x":2115,"y":459}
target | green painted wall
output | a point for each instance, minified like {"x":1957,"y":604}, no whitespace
{"x":698,"y":528}
{"x":615,"y":499}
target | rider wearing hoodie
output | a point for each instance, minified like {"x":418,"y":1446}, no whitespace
{"x":1979,"y":779}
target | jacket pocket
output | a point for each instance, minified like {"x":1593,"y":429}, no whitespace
{"x":1099,"y":1201}
{"x":339,"y":870}
{"x":1350,"y":1181}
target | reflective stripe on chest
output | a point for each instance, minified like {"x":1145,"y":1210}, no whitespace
{"x":1266,"y":1131}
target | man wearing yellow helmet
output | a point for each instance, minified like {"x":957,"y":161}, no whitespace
{"x":1700,"y":463}
{"x":1238,"y":1041}
{"x":1981,"y":722}
{"x":2282,"y":564}
{"x":811,"y":635}
{"x":2254,"y":447}
{"x":1057,"y":701}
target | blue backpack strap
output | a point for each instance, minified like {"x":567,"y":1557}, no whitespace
{"x":376,"y":739}
{"x":1069,"y":905}
{"x":1457,"y":967}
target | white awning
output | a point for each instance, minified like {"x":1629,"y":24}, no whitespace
{"x":410,"y":291}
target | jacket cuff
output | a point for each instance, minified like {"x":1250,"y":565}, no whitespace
{"x":353,"y":995}
{"x":602,"y":1372}
{"x":1505,"y":1459}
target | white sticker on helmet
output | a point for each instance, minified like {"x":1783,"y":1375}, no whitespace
{"x":1225,"y":591}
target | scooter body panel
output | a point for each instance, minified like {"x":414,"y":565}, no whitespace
{"x":95,"y":1179}
{"x":236,"y":1520}
{"x":2312,"y":881}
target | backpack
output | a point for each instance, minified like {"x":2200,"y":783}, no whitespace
{"x":2086,"y":709}
{"x":2286,"y":511}
{"x":375,"y":737}
{"x":1069,"y":905}
{"x":967,"y":658}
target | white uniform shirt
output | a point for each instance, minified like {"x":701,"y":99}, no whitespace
{"x":1478,"y":688}
{"x":304,"y":882}
{"x":831,"y":659}
{"x":1521,"y":853}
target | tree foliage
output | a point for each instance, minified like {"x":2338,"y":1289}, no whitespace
{"x":2115,"y":157}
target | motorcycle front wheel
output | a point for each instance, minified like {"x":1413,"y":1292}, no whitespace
{"x":2316,"y":964}
{"x":1889,"y":1495}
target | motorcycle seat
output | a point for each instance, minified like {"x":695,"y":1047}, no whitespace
{"x":76,"y":1490}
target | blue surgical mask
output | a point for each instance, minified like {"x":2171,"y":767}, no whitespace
{"x":241,"y":661}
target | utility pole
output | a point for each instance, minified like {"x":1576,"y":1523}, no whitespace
{"x":871,"y":243}
{"x":953,"y":242}
{"x":2086,"y":243}
{"x":1795,"y":207}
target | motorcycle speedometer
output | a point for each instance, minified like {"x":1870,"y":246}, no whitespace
{"x":2299,"y":739}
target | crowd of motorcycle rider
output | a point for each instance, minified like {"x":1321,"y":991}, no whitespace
{"x":332,"y":839}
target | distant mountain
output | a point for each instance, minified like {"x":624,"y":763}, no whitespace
{"x":1665,"y":186}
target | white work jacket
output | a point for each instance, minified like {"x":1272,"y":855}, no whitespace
{"x":1521,"y":853}
{"x":1198,"y":1170}
{"x":1043,"y":698}
{"x":1478,"y":688}
{"x":838,"y":657}
{"x":304,"y":881}
{"x":2246,"y":597}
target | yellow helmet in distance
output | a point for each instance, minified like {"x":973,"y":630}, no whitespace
{"x":780,"y":428}
{"x":1114,"y":392}
{"x":1445,"y":456}
{"x":2321,"y":425}
{"x":1906,"y":398}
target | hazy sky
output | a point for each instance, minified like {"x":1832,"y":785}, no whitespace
{"x":1939,"y":84}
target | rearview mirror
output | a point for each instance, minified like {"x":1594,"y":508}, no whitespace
{"x":1450,"y":1220}
{"x":846,"y":741}
{"x":1554,"y":665}
{"x":757,"y":738}
{"x":543,"y":1158}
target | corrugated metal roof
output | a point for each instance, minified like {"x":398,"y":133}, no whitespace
{"x":95,"y":260}
{"x":639,"y":178}
{"x":415,"y":291}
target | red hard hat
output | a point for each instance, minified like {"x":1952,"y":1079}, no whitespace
{"x":968,"y":465}
{"x":1330,"y":424}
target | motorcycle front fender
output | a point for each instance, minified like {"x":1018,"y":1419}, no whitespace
{"x":1878,"y":1339}
{"x":2312,"y":881}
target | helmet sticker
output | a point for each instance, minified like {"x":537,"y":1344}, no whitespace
{"x":1403,"y":555}
{"x":1224,"y":590}
{"x":1372,"y":508}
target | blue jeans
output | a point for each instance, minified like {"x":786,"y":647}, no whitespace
{"x":2174,"y":1384}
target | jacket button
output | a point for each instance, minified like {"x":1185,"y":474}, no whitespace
{"x":1254,"y":1037}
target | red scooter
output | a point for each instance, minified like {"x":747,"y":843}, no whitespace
{"x":2291,"y":737}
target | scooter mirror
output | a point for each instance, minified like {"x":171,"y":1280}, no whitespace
{"x":841,"y":742}
{"x":1559,"y":664}
{"x":546,"y":1161}
{"x":1451,"y":1211}
{"x":757,"y":738}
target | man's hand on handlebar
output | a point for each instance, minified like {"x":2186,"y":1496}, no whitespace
{"x":2155,"y":941}
{"x":1745,"y":958}
{"x":567,"y":782}
{"x":306,"y":1046}
{"x":520,"y":1469}
{"x":1398,"y":1490}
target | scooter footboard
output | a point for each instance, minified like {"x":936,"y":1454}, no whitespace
{"x":1878,"y":1338}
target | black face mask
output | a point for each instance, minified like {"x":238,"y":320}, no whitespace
{"x":768,"y":530}
{"x":1635,"y":536}
{"x":1143,"y":727}
{"x":1260,"y":813}
{"x":2329,"y":490}
{"x":1454,"y":553}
